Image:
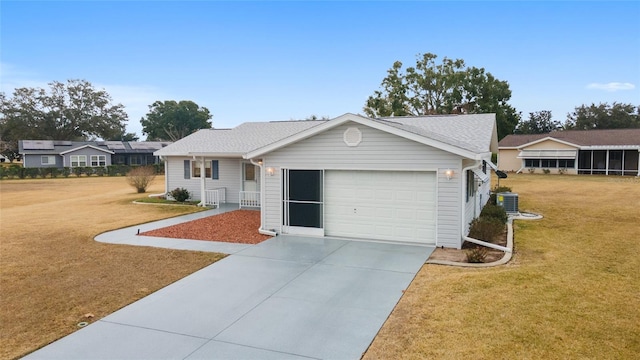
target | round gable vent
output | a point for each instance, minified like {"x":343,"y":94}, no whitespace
{"x":352,"y":136}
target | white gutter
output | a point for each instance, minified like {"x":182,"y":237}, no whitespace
{"x":262,"y":196}
{"x":462,"y":213}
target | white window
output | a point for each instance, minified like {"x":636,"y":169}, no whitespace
{"x":48,"y":160}
{"x":78,"y":160}
{"x":98,"y":160}
{"x":195,"y":169}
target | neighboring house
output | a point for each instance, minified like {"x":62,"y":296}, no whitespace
{"x":607,"y":152}
{"x":407,"y":179}
{"x":59,"y":154}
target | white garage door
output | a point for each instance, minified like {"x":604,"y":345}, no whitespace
{"x":381,"y":205}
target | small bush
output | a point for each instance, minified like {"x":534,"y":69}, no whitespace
{"x":32,"y":172}
{"x":100,"y":171}
{"x":486,"y":228}
{"x":180,"y":194}
{"x":546,"y":171}
{"x":476,"y":255}
{"x":562,"y":171}
{"x":531,"y":170}
{"x":141,"y":177}
{"x":66,"y":171}
{"x":494,"y":212}
{"x":78,"y":170}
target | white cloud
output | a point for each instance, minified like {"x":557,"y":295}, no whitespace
{"x":612,"y":86}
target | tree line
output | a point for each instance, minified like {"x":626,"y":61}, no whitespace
{"x":76,"y":111}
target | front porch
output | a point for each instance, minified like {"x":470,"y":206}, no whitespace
{"x":218,"y":196}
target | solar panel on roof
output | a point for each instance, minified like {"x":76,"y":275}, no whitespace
{"x":37,"y":144}
{"x":62,"y":143}
{"x":114,"y":145}
{"x":146,"y":145}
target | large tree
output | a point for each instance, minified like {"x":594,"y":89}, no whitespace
{"x":448,"y":87}
{"x":171,"y":120}
{"x":74,"y":110}
{"x":539,"y":122}
{"x":604,"y":116}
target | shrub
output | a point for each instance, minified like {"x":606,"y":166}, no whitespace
{"x":77,"y":171}
{"x":141,"y":177}
{"x":100,"y":171}
{"x":532,"y":170}
{"x":180,"y":194}
{"x":32,"y":172}
{"x":476,"y":255}
{"x":66,"y":171}
{"x":562,"y":171}
{"x":546,"y":171}
{"x":494,"y":212}
{"x":485,"y":228}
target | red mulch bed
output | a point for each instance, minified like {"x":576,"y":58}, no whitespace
{"x":240,"y":226}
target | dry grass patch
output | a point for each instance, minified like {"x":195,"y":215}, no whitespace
{"x":52,"y":272}
{"x":571,"y":291}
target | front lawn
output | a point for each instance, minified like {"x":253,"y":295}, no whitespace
{"x":53,"y":275}
{"x":571,"y":291}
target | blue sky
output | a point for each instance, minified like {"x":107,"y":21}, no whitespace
{"x":261,"y":61}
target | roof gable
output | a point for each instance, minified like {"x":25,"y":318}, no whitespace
{"x":84,"y":147}
{"x":442,"y":136}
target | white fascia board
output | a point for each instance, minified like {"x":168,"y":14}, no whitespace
{"x":548,"y":138}
{"x":86,"y":146}
{"x":508,"y":148}
{"x":217,"y":155}
{"x":365,"y":122}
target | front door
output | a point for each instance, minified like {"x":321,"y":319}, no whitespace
{"x":303,"y":202}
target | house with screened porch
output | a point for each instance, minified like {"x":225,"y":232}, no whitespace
{"x":585,"y":152}
{"x":401,"y":179}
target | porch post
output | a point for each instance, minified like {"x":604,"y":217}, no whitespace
{"x":638,"y":162}
{"x":202,"y":180}
{"x":606,"y":171}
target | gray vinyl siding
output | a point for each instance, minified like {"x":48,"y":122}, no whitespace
{"x":229,"y":177}
{"x":378,"y":150}
{"x":88,"y":152}
{"x":35,"y":161}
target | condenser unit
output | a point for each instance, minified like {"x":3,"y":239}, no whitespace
{"x":509,"y":201}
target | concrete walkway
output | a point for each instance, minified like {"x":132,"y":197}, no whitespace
{"x":285,"y":298}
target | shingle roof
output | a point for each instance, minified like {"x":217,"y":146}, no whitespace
{"x":608,"y":137}
{"x":55,"y":147}
{"x":472,"y":132}
{"x":236,"y":141}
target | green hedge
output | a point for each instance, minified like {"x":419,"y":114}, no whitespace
{"x":19,"y":172}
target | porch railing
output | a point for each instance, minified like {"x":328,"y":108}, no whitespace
{"x":250,"y":198}
{"x":215,"y":196}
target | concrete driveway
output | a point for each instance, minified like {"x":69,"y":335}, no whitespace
{"x":286,"y":298}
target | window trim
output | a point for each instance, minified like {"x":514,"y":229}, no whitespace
{"x":195,"y":169}
{"x":51,"y":160}
{"x":101,"y":160}
{"x":78,"y":160}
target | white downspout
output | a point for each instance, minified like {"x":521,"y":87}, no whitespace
{"x":463,"y":175}
{"x":261,"y":229}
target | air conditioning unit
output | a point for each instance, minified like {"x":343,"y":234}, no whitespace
{"x":509,"y":201}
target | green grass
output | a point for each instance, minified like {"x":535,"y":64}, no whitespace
{"x":572,"y":289}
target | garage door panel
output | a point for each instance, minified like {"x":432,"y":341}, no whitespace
{"x":388,"y":205}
